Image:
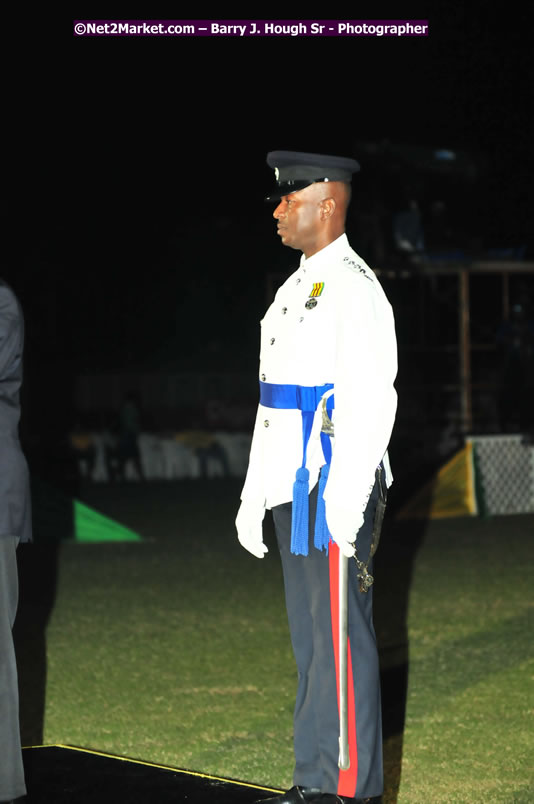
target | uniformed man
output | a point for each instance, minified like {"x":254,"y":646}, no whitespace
{"x":15,"y":526}
{"x":319,"y":461}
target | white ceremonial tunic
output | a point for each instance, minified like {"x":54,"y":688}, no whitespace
{"x":347,"y":338}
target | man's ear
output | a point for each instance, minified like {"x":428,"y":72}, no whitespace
{"x":328,"y":207}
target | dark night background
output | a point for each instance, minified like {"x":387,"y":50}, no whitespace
{"x":137,"y":236}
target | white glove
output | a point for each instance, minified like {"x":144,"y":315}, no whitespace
{"x":249,"y":528}
{"x":343,"y":526}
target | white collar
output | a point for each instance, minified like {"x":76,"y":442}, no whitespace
{"x":332,"y":251}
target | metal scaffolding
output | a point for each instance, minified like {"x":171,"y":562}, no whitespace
{"x":464,"y":271}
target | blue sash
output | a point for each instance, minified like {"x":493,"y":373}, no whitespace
{"x":306,"y":399}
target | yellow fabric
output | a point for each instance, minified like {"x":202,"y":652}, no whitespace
{"x":195,"y":439}
{"x":451,"y":492}
{"x":81,"y":441}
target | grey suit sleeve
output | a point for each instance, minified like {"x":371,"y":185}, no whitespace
{"x":10,"y":332}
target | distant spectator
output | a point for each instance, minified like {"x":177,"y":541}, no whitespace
{"x":127,"y":448}
{"x":408,"y":235}
{"x":515,"y":343}
{"x":83,"y":449}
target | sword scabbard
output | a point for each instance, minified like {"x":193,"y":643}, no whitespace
{"x":344,"y":756}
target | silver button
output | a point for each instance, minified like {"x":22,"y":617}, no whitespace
{"x":272,"y":341}
{"x":301,"y":318}
{"x":266,"y":423}
{"x":263,"y":377}
{"x":284,"y":310}
{"x":298,"y":281}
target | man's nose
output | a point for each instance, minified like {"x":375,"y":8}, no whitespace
{"x":279,"y":211}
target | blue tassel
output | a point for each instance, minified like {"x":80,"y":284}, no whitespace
{"x":300,"y":517}
{"x":321,"y":537}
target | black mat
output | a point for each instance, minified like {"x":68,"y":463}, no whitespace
{"x":65,"y":775}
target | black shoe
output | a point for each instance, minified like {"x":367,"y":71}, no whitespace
{"x":297,"y":795}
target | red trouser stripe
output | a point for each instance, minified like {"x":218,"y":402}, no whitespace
{"x":348,"y":778}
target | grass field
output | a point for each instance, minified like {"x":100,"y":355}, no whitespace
{"x":176,"y":650}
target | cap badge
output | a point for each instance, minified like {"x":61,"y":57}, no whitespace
{"x":276,"y":174}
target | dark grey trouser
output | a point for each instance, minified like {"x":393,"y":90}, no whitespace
{"x":311,"y":599}
{"x":12,"y":783}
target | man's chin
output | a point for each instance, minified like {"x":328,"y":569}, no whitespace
{"x":286,"y":240}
